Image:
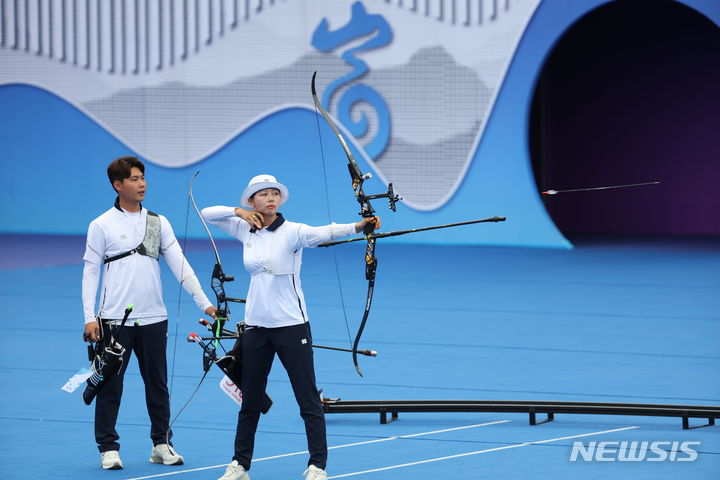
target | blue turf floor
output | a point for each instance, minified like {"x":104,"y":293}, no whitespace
{"x":614,"y":320}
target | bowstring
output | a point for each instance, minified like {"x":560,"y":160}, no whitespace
{"x":329,"y":213}
{"x":177,"y":329}
{"x":172,"y":422}
{"x":180,"y":290}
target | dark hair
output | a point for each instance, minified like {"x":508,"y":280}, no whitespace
{"x":119,"y":169}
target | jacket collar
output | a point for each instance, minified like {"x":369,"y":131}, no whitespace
{"x":273,"y":226}
{"x":117,"y":204}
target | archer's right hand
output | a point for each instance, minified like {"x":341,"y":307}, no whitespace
{"x":92,"y":332}
{"x":253,"y":218}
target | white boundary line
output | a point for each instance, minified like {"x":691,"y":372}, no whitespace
{"x":449,"y":457}
{"x":385,"y":439}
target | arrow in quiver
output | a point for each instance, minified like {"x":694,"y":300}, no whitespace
{"x":106,"y":363}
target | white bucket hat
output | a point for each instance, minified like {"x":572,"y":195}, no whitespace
{"x":261,"y":182}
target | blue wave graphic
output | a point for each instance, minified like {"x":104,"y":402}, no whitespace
{"x":62,"y":154}
{"x":57,"y":157}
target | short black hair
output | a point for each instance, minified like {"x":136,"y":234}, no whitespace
{"x":119,"y":169}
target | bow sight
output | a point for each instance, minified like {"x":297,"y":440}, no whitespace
{"x":358,"y":178}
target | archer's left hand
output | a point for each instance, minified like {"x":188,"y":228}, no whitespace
{"x":211,"y":312}
{"x":361,"y":224}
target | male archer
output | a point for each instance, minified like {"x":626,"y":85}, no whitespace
{"x":125,"y":243}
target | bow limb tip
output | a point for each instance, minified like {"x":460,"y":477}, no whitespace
{"x":312,"y":83}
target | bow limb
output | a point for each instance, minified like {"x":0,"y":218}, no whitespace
{"x":356,"y":175}
{"x":197,"y":210}
{"x":218,"y":277}
{"x":370,"y":267}
{"x":352,"y":164}
{"x":219,"y":291}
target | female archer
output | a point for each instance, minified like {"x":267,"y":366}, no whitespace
{"x":276,"y":319}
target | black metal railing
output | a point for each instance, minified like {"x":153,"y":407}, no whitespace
{"x":549,"y":408}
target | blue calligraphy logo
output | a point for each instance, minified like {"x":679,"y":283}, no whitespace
{"x":361,"y":24}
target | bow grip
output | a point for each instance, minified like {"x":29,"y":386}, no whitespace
{"x":369,"y":228}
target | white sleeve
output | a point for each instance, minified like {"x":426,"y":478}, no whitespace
{"x":171,"y":251}
{"x":225,"y":219}
{"x":95,"y":244}
{"x":311,"y":236}
{"x":93,"y":257}
{"x":90,"y":281}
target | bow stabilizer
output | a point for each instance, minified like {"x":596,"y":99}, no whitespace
{"x":412,"y":230}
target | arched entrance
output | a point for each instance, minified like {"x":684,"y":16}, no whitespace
{"x":630,"y":94}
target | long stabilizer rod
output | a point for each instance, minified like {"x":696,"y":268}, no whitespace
{"x":412,"y":230}
{"x":368,"y":353}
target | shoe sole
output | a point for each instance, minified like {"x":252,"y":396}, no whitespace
{"x":158,"y":460}
{"x":112,"y":467}
{"x":246,"y":476}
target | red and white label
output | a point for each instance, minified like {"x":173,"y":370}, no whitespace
{"x":232,"y":391}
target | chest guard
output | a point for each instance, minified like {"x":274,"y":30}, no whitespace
{"x":150,"y":246}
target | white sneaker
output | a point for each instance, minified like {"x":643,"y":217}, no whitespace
{"x":110,"y":460}
{"x":235,"y":471}
{"x":163,"y":453}
{"x":315,"y":473}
